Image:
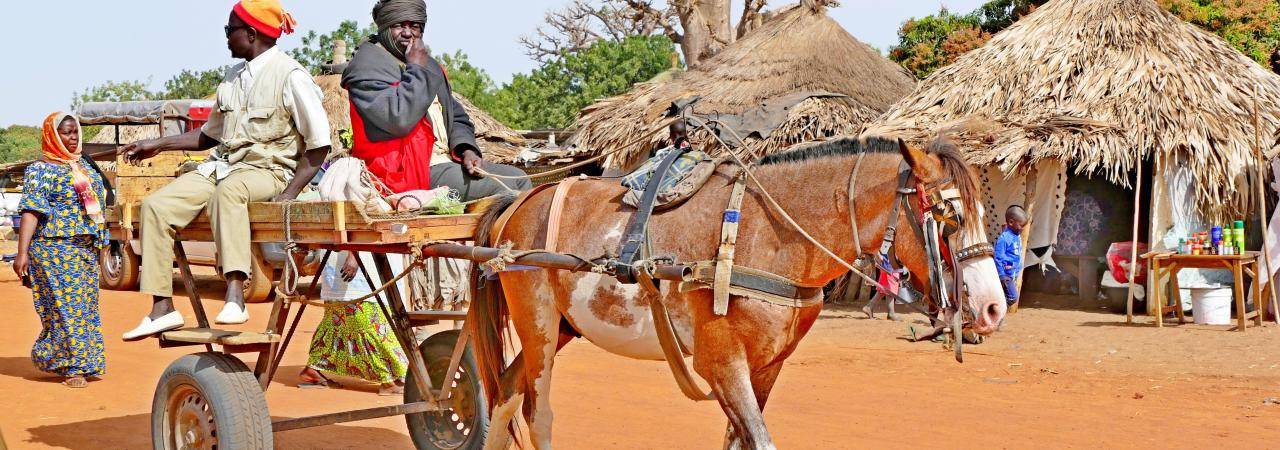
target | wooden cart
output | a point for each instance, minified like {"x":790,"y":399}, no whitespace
{"x":213,"y":399}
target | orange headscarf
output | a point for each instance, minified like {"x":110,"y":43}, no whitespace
{"x":56,"y":152}
{"x":266,"y":16}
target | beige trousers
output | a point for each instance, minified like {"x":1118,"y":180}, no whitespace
{"x":177,"y":204}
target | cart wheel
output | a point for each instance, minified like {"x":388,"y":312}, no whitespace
{"x":121,"y":269}
{"x":260,"y":286}
{"x":209,"y":401}
{"x":465,"y":424}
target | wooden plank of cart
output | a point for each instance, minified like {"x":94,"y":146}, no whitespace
{"x":213,"y":400}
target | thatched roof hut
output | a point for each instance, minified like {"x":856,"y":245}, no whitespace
{"x":1100,"y":85}
{"x":498,"y":142}
{"x":798,"y":51}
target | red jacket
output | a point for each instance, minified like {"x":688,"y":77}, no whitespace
{"x":403,"y":164}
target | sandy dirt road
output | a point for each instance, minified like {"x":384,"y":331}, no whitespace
{"x":1056,"y":377}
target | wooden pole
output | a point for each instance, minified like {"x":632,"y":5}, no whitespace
{"x":1133,"y":257}
{"x":1262,"y":214}
{"x":1029,"y":205}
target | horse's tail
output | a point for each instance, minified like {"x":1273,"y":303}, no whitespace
{"x":488,"y":313}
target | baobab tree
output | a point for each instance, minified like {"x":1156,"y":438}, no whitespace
{"x":700,"y":27}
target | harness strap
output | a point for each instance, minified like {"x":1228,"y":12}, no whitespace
{"x":754,"y":283}
{"x":890,"y":233}
{"x":500,"y":225}
{"x":724,"y":256}
{"x":853,"y":204}
{"x":556,"y":212}
{"x":672,"y":349}
{"x":637,"y":230}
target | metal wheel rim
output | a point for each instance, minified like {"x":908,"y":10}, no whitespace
{"x":450,"y":428}
{"x":112,"y":265}
{"x":189,"y":420}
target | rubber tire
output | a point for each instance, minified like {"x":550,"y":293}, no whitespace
{"x":230,"y":389}
{"x":437,"y":350}
{"x":130,"y":272}
{"x":260,"y":287}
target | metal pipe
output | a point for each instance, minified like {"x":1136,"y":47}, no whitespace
{"x":676,"y":272}
{"x":352,"y":416}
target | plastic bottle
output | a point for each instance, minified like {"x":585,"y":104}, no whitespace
{"x":1239,"y":235}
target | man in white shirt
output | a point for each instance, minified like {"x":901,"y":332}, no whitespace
{"x":270,"y":134}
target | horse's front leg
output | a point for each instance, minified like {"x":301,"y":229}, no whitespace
{"x":721,"y":357}
{"x":538,"y":326}
{"x":513,"y":385}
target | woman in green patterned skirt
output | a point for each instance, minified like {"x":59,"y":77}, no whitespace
{"x":353,"y":339}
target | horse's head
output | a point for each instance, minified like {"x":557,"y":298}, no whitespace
{"x":945,"y":190}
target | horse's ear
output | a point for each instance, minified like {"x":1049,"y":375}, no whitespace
{"x":913,"y":156}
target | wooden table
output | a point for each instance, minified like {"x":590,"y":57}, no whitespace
{"x":1167,"y":265}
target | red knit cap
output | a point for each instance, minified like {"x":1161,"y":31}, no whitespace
{"x":266,"y":16}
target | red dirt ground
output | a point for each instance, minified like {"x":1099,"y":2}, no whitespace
{"x":1059,"y":375}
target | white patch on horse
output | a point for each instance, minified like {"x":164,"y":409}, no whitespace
{"x":613,"y":233}
{"x":638,"y":339}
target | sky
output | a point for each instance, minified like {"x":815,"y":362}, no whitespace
{"x":53,"y":49}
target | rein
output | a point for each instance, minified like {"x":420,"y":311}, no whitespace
{"x":936,"y":206}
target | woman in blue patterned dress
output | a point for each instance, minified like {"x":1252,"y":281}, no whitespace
{"x":61,"y":235}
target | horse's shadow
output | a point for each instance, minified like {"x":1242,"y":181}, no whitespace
{"x":134,"y":431}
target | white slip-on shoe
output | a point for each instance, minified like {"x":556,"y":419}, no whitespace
{"x":148,"y":327}
{"x":232,"y":314}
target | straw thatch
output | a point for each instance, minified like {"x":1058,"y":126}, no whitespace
{"x":799,"y":50}
{"x":1101,"y":85}
{"x":497,"y":141}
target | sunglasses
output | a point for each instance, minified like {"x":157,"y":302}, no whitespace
{"x":230,"y":29}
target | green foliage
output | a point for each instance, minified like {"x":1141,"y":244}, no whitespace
{"x":1251,"y":26}
{"x":923,"y":43}
{"x":552,"y":96}
{"x":19,"y":143}
{"x":112,"y":91}
{"x":193,"y":84}
{"x":997,"y":15}
{"x":472,"y":82}
{"x":317,"y":49}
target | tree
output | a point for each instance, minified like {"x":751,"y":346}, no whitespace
{"x":19,"y":143}
{"x":192,"y":84}
{"x":112,"y":91}
{"x":931,"y":42}
{"x":1251,"y":26}
{"x":1000,"y":14}
{"x":472,"y":82}
{"x":552,"y":96}
{"x":317,"y":49}
{"x":702,"y":28}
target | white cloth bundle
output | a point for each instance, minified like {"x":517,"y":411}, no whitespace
{"x":344,"y":181}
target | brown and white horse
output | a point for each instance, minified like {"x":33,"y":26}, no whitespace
{"x":739,"y":354}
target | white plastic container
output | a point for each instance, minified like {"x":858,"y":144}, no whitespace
{"x":1212,"y":306}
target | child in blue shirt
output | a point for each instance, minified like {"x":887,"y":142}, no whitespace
{"x":1008,"y":254}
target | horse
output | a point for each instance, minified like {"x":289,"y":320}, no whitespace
{"x":824,"y":187}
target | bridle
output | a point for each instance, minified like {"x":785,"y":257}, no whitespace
{"x":937,"y":213}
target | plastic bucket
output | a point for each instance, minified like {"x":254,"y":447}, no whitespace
{"x":1211,"y":306}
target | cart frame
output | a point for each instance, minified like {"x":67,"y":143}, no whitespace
{"x":322,"y":226}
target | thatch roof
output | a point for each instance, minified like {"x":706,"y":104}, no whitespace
{"x":1101,"y":85}
{"x":799,"y":50}
{"x":497,"y":141}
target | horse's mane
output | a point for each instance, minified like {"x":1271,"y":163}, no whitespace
{"x":953,"y":162}
{"x":828,"y":149}
{"x":963,"y":176}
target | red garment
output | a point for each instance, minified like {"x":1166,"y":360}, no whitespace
{"x":403,"y":164}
